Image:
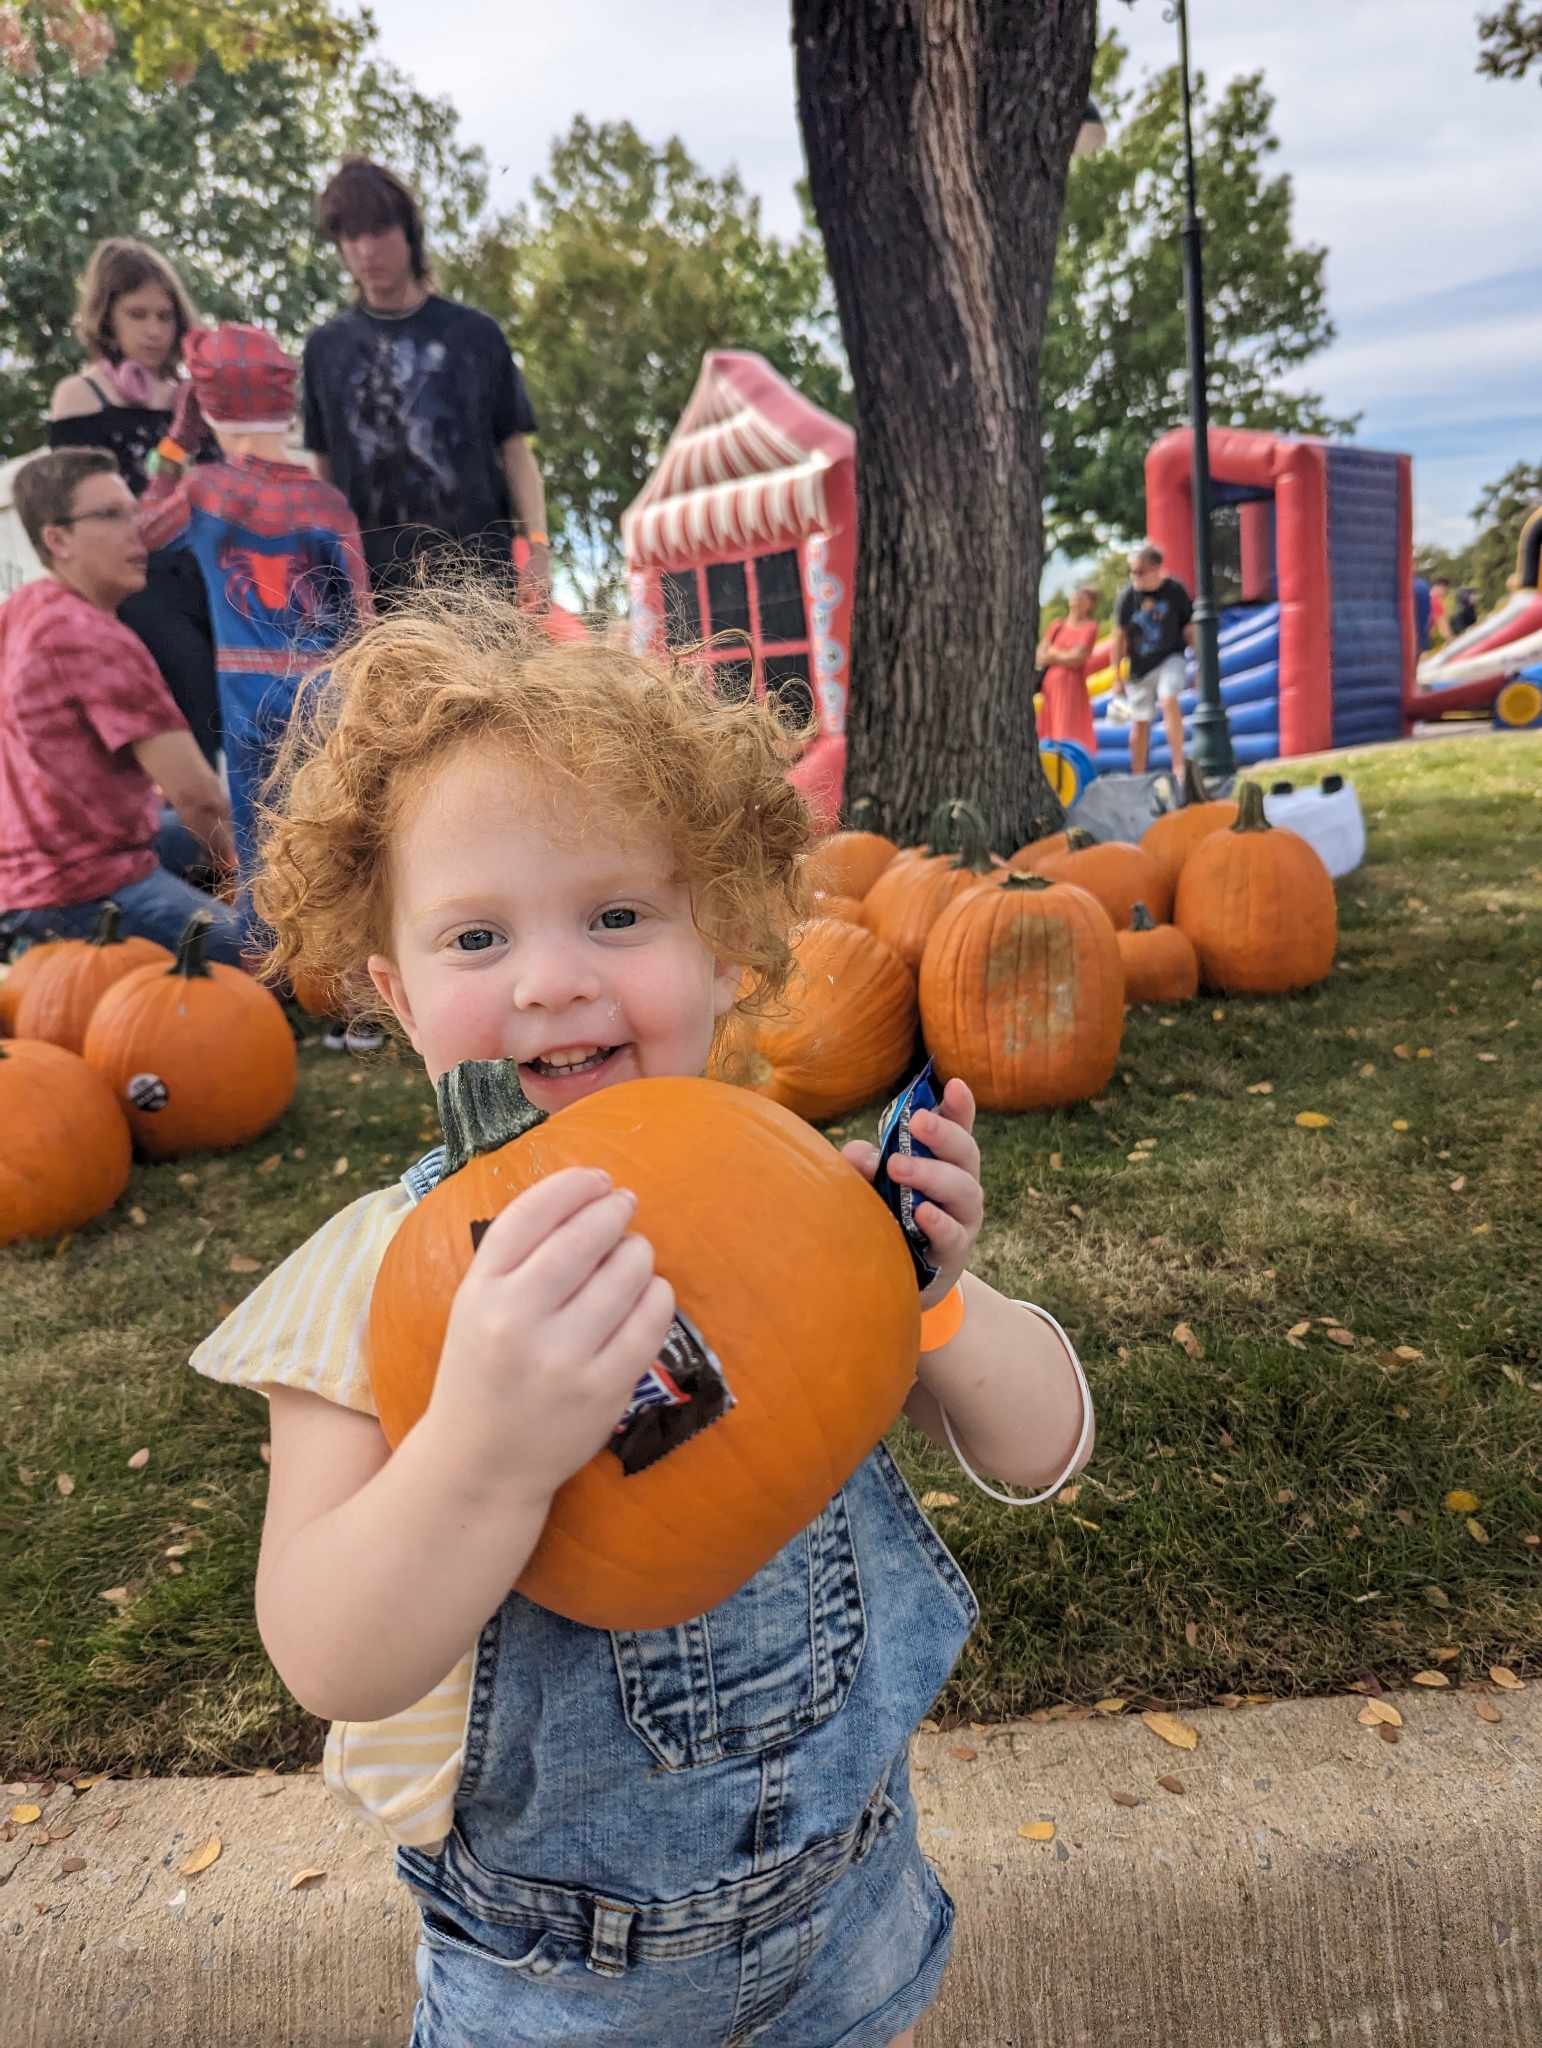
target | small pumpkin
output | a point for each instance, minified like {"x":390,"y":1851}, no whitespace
{"x":19,"y":977}
{"x":65,"y":1154}
{"x":1118,"y":874}
{"x":1027,"y":858}
{"x":1022,"y":994}
{"x":786,"y":1267}
{"x":1258,"y":905}
{"x":198,"y":1054}
{"x":906,"y":901}
{"x":1159,"y":962}
{"x":60,"y":996}
{"x":848,"y":863}
{"x":1171,"y":838}
{"x":849,"y":1025}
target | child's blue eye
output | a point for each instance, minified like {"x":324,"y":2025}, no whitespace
{"x":619,"y":919}
{"x":477,"y":940}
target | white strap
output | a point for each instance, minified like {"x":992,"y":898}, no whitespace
{"x":1014,"y":1500}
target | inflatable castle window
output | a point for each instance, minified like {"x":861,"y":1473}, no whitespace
{"x":741,"y":547}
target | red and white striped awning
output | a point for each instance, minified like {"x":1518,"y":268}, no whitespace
{"x":747,"y":466}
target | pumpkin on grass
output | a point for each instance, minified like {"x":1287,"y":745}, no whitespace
{"x":907,"y":899}
{"x":198,"y":1054}
{"x":64,"y":1156}
{"x":1022,"y":994}
{"x":19,"y":977}
{"x":848,"y":863}
{"x":1258,"y":905}
{"x":1159,"y":962}
{"x":1118,"y":874}
{"x":847,"y":1029}
{"x":1170,"y":839}
{"x":61,"y":994}
{"x":789,"y":1273}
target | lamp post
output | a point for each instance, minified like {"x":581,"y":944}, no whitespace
{"x":1212,"y":748}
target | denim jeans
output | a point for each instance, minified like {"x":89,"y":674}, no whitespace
{"x":155,"y":908}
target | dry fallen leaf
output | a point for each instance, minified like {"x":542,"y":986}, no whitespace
{"x":1437,"y":1597}
{"x":1505,"y":1678}
{"x":1375,"y":1711}
{"x":1109,"y":1706}
{"x":1261,"y":1088}
{"x":1312,"y":1120}
{"x":1458,"y":1184}
{"x":1298,"y":1329}
{"x":1367,"y":1071}
{"x":1400,"y":1123}
{"x":138,"y":1217}
{"x":1388,"y":1734}
{"x":139,"y":1460}
{"x":1435,"y":1678}
{"x":269,"y":1165}
{"x":1124,"y":1799}
{"x":1487,"y":1711}
{"x":1338,"y":1335}
{"x":1447,"y":1655}
{"x":1078,"y":1211}
{"x":1476,"y":1530}
{"x":91,"y":1778}
{"x":26,"y":1814}
{"x":939,"y":1500}
{"x":111,"y":1818}
{"x":1191,"y":1633}
{"x":301,"y":1877}
{"x":202,"y":1858}
{"x":1481,"y":1229}
{"x":1170,"y":1784}
{"x":1037,"y":1831}
{"x":1487,"y":1057}
{"x":1172,"y":1730}
{"x":1185,"y":1337}
{"x":1068,"y":1496}
{"x":240,"y":1263}
{"x":1402,"y":1052}
{"x":176,"y":1550}
{"x":65,"y":1484}
{"x":1218,"y":1016}
{"x":963,"y":1752}
{"x":1056,"y":1162}
{"x":117,"y":1594}
{"x":71,"y":1864}
{"x":1407,"y":1352}
{"x":1461,"y":1502}
{"x":340,"y":1166}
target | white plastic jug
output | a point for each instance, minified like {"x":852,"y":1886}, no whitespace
{"x":1327,"y":816}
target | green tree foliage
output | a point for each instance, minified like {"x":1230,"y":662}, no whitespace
{"x":220,"y":174}
{"x":1114,"y":350}
{"x":628,"y":264}
{"x":1502,"y":509}
{"x":166,"y":40}
{"x":1510,"y":40}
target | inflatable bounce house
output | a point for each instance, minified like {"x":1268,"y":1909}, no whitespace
{"x":1496,"y":665}
{"x":1320,"y":650}
{"x":742,"y":544}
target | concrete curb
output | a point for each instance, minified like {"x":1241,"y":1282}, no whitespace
{"x":1310,"y":1884}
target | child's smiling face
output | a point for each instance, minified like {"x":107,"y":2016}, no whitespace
{"x":515,"y":938}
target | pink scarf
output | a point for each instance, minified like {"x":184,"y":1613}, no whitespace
{"x":136,"y":385}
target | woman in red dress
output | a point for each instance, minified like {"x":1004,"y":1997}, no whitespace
{"x":1063,"y":654}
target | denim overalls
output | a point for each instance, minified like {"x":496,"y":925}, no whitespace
{"x":702,"y":1836}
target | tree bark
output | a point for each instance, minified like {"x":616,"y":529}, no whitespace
{"x":938,"y":136}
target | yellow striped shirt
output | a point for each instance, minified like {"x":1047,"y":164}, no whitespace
{"x":305,"y":1327}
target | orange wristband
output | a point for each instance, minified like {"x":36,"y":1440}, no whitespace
{"x":940,"y":1325}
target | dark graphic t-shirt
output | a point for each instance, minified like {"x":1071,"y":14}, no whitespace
{"x":1153,"y":622}
{"x":410,"y":414}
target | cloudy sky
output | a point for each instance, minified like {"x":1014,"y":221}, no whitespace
{"x":1416,"y":174}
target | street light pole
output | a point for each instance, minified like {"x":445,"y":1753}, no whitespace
{"x":1212,"y":748}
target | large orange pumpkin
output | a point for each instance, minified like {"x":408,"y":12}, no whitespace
{"x":59,"y":998}
{"x":1022,"y":994}
{"x":1171,"y":838}
{"x":847,"y":1029}
{"x":848,"y":863}
{"x":1118,"y":874}
{"x":64,"y":1157}
{"x":783,"y":1260}
{"x":19,"y":977}
{"x":198,"y":1054}
{"x":908,"y":898}
{"x":1258,"y":905}
{"x":1159,"y":962}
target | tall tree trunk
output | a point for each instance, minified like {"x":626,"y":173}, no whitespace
{"x":938,"y":135}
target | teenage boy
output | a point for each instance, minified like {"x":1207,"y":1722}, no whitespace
{"x":1153,"y":623}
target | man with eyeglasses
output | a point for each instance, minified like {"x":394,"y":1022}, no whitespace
{"x":91,"y":741}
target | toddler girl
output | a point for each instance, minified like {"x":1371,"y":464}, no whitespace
{"x":572,"y":859}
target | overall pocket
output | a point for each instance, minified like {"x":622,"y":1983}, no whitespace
{"x":546,"y":1955}
{"x":777,"y":1658}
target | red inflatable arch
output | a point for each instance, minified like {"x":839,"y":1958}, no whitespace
{"x":744,"y":538}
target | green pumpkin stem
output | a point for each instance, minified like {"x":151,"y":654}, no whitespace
{"x":1014,"y":880}
{"x":1141,"y":919}
{"x":1250,"y":809}
{"x":942,"y":828}
{"x":864,"y":814}
{"x":974,"y":843}
{"x":482,"y":1106}
{"x":1194,"y":790}
{"x":1078,"y":839}
{"x":107,"y":921}
{"x":190,"y":961}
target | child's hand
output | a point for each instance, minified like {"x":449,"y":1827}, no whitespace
{"x":954,"y":1204}
{"x":558,"y":1317}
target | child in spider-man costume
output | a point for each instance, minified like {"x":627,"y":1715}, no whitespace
{"x":279,"y":549}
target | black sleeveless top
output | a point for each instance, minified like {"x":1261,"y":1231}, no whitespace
{"x":127,"y":432}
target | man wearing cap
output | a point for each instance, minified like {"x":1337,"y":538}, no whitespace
{"x":278,"y":548}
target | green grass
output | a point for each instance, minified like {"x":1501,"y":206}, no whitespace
{"x":1266,"y":1518}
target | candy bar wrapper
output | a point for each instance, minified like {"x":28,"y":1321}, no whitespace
{"x":894,"y":1139}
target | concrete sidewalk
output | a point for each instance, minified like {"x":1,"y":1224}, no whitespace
{"x":1309,"y":1884}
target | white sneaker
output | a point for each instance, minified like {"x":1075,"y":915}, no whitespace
{"x":362,"y":1037}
